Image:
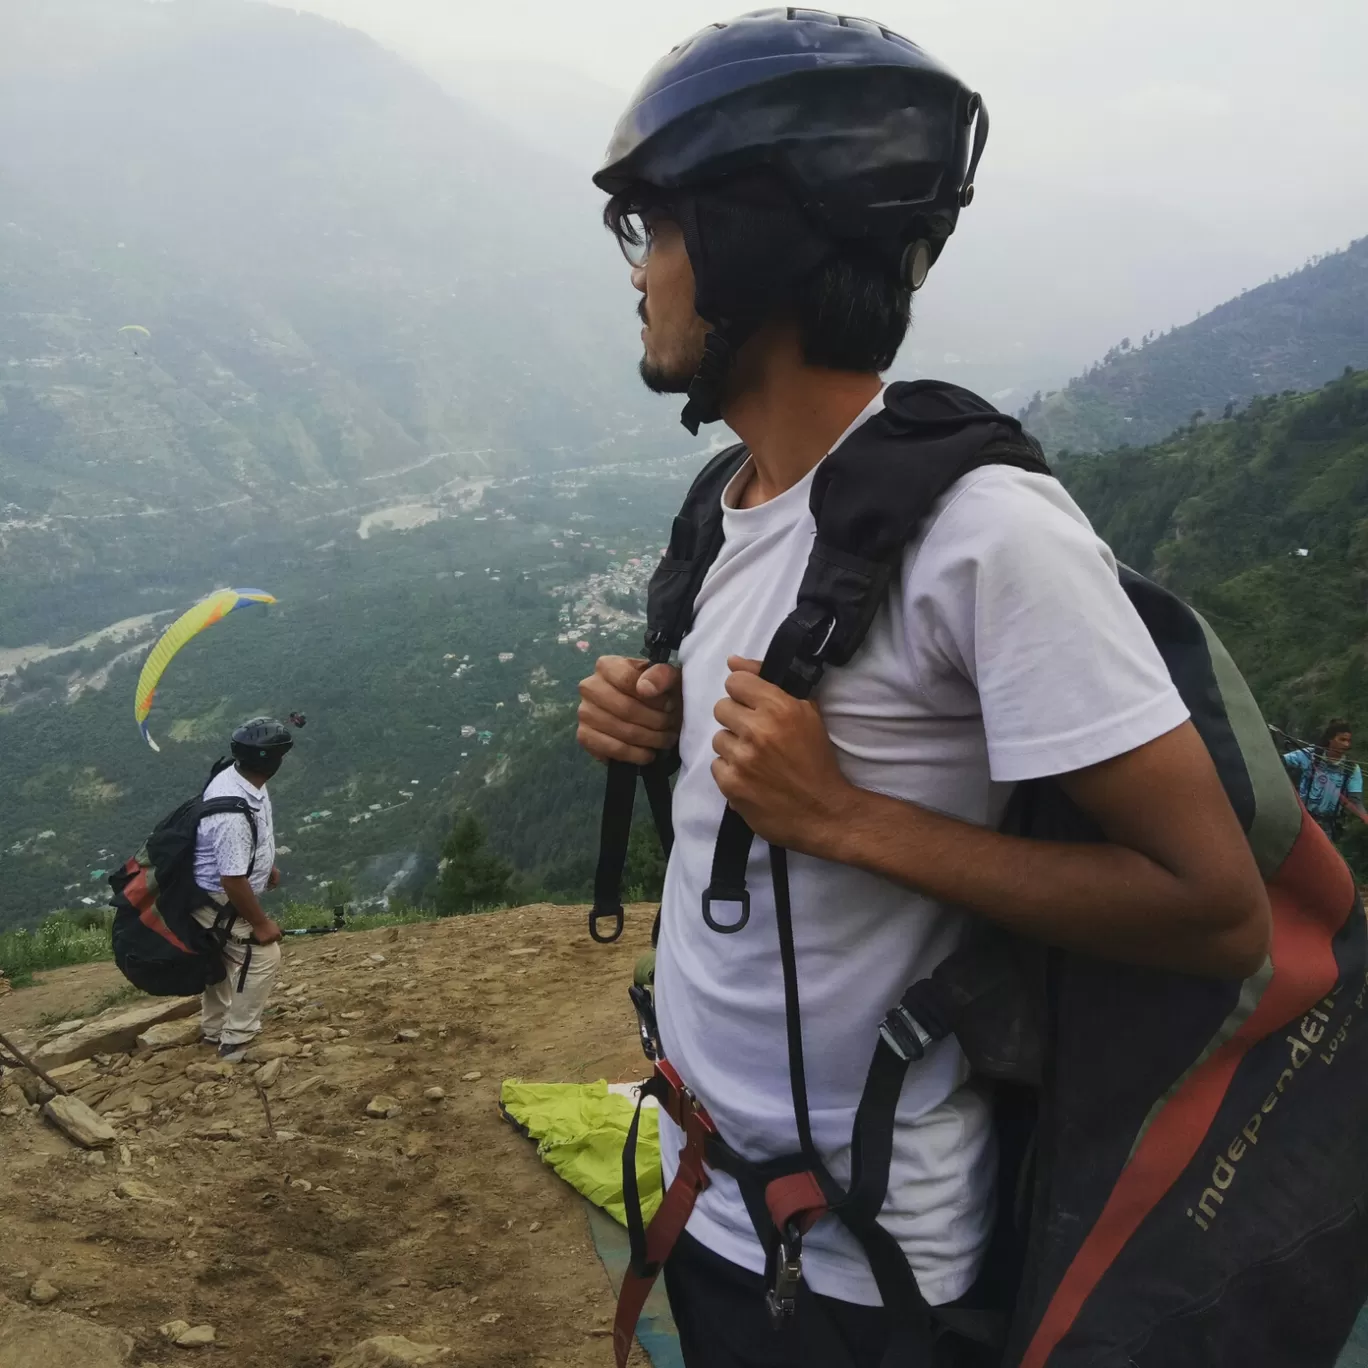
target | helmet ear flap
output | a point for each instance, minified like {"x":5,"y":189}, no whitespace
{"x":916,"y":264}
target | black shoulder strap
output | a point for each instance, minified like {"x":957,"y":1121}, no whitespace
{"x":695,"y":539}
{"x":210,"y":807}
{"x":872,"y":495}
{"x":870,"y":499}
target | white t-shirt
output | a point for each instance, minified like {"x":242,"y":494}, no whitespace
{"x":1005,"y":651}
{"x":223,"y":844}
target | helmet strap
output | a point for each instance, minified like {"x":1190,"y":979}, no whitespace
{"x":749,"y":244}
{"x":705,"y":390}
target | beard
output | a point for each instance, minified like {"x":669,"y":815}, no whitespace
{"x":660,"y":377}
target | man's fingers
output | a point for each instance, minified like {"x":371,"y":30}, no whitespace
{"x":748,"y":688}
{"x":652,"y":737}
{"x":743,"y":665}
{"x":634,"y":678}
{"x":726,"y":744}
{"x":734,"y":716}
{"x":604,"y":747}
{"x":659,"y":682}
{"x":620,"y":671}
{"x":600,"y":693}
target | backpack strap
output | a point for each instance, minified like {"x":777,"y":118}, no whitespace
{"x":695,"y":540}
{"x":212,"y":807}
{"x":870,"y":499}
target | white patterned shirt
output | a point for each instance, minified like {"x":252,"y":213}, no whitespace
{"x":223,"y":845}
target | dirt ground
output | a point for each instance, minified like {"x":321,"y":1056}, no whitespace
{"x":438,"y":1223}
{"x":60,"y":993}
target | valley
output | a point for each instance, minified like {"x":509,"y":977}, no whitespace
{"x":421,"y":655}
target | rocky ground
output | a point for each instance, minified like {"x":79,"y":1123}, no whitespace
{"x":386,"y":1196}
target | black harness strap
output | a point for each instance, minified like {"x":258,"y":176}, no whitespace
{"x":870,"y":499}
{"x":226,"y":917}
{"x":695,"y":540}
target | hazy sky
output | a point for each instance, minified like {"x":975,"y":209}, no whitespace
{"x":1147,"y":159}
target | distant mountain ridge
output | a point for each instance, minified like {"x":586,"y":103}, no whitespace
{"x":1292,"y":333}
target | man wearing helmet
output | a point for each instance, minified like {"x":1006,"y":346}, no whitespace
{"x":234,"y":864}
{"x":781,"y":185}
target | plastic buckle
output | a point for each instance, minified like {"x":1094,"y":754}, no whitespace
{"x":740,"y":896}
{"x":905,"y":1035}
{"x":596,"y":914}
{"x":646,"y":1021}
{"x":658,"y":647}
{"x":781,"y":1297}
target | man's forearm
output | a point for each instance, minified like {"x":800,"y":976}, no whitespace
{"x":243,"y":897}
{"x":1102,"y":899}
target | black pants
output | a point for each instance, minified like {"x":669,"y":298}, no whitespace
{"x":719,"y":1309}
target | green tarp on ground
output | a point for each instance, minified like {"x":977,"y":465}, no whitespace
{"x":580,"y":1129}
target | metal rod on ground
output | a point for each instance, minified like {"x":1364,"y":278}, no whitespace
{"x":26,"y":1063}
{"x":266,"y":1106}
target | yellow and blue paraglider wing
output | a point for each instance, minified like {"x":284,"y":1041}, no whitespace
{"x":190,"y":623}
{"x":135,"y":327}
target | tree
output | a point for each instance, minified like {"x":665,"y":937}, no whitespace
{"x":643,"y":875}
{"x":473,"y":876}
{"x":337,"y":892}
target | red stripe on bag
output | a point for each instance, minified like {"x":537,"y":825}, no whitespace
{"x":143,"y":896}
{"x":1305,"y":892}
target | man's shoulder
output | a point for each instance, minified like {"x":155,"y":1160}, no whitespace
{"x":1021,"y":522}
{"x":228,"y":784}
{"x":1003,"y":494}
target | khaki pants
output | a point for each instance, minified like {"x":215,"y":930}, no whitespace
{"x":231,"y":1014}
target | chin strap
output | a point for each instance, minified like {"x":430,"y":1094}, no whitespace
{"x":705,"y":390}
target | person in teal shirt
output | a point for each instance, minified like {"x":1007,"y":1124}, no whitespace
{"x":1328,"y":783}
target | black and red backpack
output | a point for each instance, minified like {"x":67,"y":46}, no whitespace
{"x":1184,"y":1172}
{"x":159,"y":947}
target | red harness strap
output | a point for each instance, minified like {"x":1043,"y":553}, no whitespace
{"x":667,"y":1225}
{"x":795,"y":1203}
{"x":797,"y":1199}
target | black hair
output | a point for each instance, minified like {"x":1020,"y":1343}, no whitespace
{"x":1333,"y":728}
{"x":852,"y":311}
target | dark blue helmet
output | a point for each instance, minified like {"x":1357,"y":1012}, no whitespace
{"x":871,"y":144}
{"x":877,"y":141}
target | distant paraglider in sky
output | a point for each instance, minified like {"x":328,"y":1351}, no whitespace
{"x":190,"y":623}
{"x":133,"y":330}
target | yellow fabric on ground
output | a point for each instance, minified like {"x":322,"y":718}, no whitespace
{"x":580,"y":1129}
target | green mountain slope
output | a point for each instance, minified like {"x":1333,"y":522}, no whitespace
{"x":1293,"y":333}
{"x":357,"y":290}
{"x":1219,"y":515}
{"x":422,"y":660}
{"x":1261,"y":522}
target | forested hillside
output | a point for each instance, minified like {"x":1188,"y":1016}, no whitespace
{"x":1293,"y":333}
{"x":421,"y":659}
{"x":1261,"y":521}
